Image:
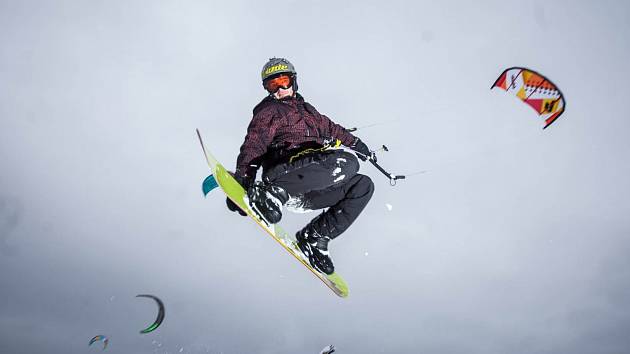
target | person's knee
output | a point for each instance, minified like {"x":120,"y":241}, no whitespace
{"x":364,"y":186}
{"x":370,"y":185}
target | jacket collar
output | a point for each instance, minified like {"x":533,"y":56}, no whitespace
{"x":270,"y":100}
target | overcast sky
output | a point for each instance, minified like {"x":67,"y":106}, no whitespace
{"x":515,"y":240}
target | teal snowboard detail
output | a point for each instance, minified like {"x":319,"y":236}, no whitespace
{"x":237,"y":194}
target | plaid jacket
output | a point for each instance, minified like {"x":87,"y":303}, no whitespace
{"x":282,"y":127}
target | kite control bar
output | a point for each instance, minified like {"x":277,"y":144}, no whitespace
{"x":392,"y":177}
{"x":372,"y":158}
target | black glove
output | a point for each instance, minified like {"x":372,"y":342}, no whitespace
{"x":233,"y":207}
{"x":246,"y":182}
{"x":363,"y":152}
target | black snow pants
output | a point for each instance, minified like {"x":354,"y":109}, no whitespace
{"x":325,"y":179}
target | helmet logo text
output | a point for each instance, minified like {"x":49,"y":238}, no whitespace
{"x":276,"y":68}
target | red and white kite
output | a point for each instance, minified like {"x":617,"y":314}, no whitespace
{"x":535,"y":90}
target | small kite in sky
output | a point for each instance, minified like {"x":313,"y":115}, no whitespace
{"x":160,"y":316}
{"x":535,"y":90}
{"x":101,"y":338}
{"x":209,"y":184}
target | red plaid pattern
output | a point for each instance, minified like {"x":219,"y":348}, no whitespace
{"x":290,"y":121}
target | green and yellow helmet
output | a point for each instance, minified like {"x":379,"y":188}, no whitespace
{"x":277,"y":66}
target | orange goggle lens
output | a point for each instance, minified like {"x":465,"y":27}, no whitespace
{"x":272,"y":85}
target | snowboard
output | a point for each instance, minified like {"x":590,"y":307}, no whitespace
{"x":221,"y":178}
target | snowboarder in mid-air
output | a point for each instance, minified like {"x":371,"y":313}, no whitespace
{"x":303,"y":166}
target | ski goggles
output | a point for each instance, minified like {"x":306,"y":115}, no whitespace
{"x":281,"y":81}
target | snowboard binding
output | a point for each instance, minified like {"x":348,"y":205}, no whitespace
{"x":266,"y":200}
{"x":315,"y":248}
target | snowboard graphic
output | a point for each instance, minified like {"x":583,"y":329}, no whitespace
{"x":221,"y":178}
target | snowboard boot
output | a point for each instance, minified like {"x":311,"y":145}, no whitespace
{"x":315,"y":247}
{"x":267,"y":200}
